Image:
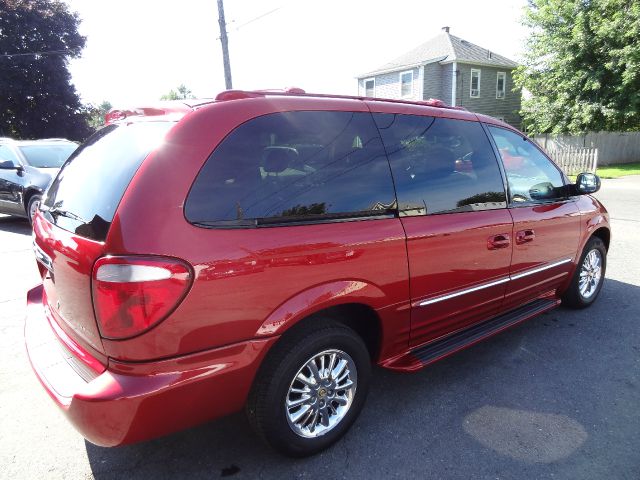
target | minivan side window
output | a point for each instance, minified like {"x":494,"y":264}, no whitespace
{"x":441,"y":165}
{"x":294,"y":167}
{"x":531,"y":176}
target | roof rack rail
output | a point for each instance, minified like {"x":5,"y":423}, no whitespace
{"x":294,"y":91}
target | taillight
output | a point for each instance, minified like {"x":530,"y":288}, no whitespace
{"x":132,"y":294}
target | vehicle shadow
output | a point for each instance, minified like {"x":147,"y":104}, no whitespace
{"x":524,"y":400}
{"x":15,"y":225}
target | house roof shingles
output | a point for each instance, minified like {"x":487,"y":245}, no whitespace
{"x":444,"y":48}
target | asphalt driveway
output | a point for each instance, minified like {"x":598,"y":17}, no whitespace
{"x":557,"y":397}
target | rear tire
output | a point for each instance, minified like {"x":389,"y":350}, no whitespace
{"x":300,"y":418}
{"x":589,"y":275}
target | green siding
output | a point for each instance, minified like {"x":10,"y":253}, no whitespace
{"x":507,"y":107}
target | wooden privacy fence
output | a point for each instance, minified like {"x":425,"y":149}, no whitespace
{"x":574,"y":160}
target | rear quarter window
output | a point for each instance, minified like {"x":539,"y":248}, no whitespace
{"x":294,"y":167}
{"x":84,"y":196}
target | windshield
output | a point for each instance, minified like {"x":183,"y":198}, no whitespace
{"x":47,"y":156}
{"x":84,"y":196}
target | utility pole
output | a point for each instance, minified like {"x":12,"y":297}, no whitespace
{"x":225,"y":46}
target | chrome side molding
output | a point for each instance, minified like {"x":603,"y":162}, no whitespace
{"x":494,"y":283}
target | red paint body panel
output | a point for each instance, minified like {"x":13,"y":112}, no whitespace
{"x":448,"y":253}
{"x":131,"y":402}
{"x":556,"y":229}
{"x":68,"y":292}
{"x":251,"y":285}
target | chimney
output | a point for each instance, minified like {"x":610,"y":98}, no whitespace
{"x":445,"y":29}
{"x":489,"y":53}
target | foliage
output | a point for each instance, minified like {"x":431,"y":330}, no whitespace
{"x":581,"y":66}
{"x":182,"y":93}
{"x":37,"y":98}
{"x":96,"y":114}
{"x":621,"y":170}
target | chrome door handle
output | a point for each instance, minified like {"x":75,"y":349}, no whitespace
{"x":496,"y":242}
{"x":525,"y":236}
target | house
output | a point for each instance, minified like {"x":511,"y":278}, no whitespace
{"x":451,"y":69}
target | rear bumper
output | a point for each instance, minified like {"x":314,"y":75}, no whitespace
{"x":131,"y":402}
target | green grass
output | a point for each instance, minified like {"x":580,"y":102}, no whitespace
{"x":617,"y":171}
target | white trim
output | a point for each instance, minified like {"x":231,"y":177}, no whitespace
{"x":400,"y":83}
{"x":364,"y":86}
{"x":504,"y":85}
{"x":471,"y":82}
{"x":494,"y":283}
{"x":454,"y":84}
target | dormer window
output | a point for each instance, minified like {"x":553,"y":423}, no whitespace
{"x":475,"y":83}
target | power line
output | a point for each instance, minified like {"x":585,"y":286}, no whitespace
{"x":37,"y":54}
{"x":256,"y":18}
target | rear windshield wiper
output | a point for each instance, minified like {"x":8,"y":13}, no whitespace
{"x":65,"y":213}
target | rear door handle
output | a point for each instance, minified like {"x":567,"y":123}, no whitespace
{"x":525,"y":236}
{"x":501,"y":240}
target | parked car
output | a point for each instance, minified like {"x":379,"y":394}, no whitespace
{"x":263,"y":250}
{"x":26,"y":169}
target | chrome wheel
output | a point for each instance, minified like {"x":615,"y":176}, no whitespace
{"x":590,"y":273}
{"x":321,"y":393}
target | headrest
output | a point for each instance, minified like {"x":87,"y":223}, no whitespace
{"x":278,"y":159}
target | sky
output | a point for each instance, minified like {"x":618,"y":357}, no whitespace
{"x":137,"y":50}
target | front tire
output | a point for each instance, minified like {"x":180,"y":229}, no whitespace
{"x":310,"y":389}
{"x":589,"y":275}
{"x":32,"y":206}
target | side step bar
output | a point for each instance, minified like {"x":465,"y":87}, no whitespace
{"x":440,"y":348}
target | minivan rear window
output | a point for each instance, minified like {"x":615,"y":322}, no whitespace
{"x":84,"y":196}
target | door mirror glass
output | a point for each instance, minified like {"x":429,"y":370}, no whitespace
{"x":6,"y":165}
{"x":543,"y":191}
{"x":587,"y":183}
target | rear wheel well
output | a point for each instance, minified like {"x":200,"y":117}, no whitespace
{"x":603,"y":234}
{"x":359,"y":317}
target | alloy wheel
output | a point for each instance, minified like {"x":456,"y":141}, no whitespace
{"x":321,"y":393}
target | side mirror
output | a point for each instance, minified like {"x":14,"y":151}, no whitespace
{"x":587,"y":183}
{"x":7,"y":165}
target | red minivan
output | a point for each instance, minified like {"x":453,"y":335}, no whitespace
{"x":263,"y":250}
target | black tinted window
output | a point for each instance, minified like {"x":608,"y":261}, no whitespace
{"x":294,"y":166}
{"x":84,"y":196}
{"x":441,"y":165}
{"x":531,"y":176}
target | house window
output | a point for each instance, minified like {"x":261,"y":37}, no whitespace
{"x":370,"y":87}
{"x":406,"y":84}
{"x":501,"y":84}
{"x":475,"y":83}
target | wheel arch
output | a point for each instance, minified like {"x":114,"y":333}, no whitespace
{"x":352,"y":303}
{"x":28,"y":193}
{"x":604,"y":234}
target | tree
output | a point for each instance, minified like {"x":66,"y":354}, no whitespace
{"x":96,"y":114}
{"x":37,"y":99}
{"x":581,"y":66}
{"x":182,"y":94}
